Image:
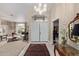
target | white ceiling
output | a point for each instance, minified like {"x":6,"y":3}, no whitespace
{"x":19,"y":12}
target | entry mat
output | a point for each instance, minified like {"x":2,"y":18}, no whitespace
{"x":37,"y":50}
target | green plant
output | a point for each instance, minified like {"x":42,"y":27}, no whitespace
{"x":64,"y":36}
{"x":63,"y":33}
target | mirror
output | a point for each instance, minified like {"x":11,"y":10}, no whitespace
{"x":73,"y":28}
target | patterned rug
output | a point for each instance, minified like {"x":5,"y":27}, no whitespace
{"x":37,"y":50}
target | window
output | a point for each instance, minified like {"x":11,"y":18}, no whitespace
{"x":20,"y":28}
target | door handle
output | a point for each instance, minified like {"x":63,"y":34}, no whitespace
{"x":40,"y":32}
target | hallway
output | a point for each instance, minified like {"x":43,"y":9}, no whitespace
{"x":41,"y":25}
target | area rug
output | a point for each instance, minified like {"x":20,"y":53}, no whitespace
{"x":37,"y":50}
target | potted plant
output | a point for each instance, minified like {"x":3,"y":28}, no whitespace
{"x":64,"y":37}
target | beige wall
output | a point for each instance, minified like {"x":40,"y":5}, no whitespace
{"x":65,"y":13}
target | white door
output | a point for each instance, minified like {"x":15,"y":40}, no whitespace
{"x":44,"y":31}
{"x":35,"y":31}
{"x":39,"y":31}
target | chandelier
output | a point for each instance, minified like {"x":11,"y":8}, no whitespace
{"x":40,"y":8}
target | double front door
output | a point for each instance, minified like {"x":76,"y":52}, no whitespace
{"x":39,"y":31}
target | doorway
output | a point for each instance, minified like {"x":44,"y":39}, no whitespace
{"x":20,"y":27}
{"x":39,"y":31}
{"x":55,"y":31}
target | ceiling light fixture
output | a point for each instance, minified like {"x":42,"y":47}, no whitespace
{"x":40,"y":8}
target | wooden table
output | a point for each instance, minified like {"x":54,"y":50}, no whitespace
{"x":66,"y":50}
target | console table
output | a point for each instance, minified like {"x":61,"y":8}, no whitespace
{"x":67,"y":50}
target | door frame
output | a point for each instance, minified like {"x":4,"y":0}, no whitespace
{"x":56,"y":24}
